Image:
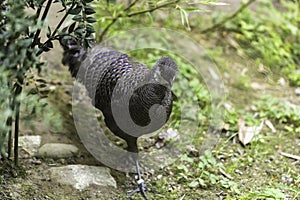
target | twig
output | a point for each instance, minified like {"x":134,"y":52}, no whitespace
{"x":56,"y":29}
{"x":37,"y":33}
{"x":17,"y":118}
{"x":120,"y":15}
{"x":114,"y":20}
{"x":289,"y":155}
{"x":9,"y":124}
{"x":131,"y":5}
{"x":225,"y":174}
{"x":63,"y":19}
{"x":221,"y":23}
{"x":38,"y":12}
{"x":152,"y":9}
{"x":107,"y":28}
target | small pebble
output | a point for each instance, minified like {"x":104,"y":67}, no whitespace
{"x":297,"y":91}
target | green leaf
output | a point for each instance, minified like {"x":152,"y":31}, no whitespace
{"x":91,"y":20}
{"x":64,"y":29}
{"x":80,"y":31}
{"x":90,"y":29}
{"x":81,"y":25}
{"x":77,"y":18}
{"x":48,"y":32}
{"x":194,"y":184}
{"x":193,"y":9}
{"x":72,"y":27}
{"x":76,"y":10}
{"x":88,"y":10}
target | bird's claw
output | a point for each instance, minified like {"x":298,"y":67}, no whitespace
{"x":142,"y":188}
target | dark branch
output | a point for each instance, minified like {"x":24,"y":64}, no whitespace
{"x":37,"y":34}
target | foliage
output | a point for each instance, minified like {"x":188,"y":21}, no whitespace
{"x":272,"y":37}
{"x":16,"y":57}
{"x":266,"y":108}
{"x":270,"y":193}
{"x":124,"y":14}
{"x":35,"y":104}
{"x":204,"y":172}
{"x":279,"y":112}
{"x":21,"y":46}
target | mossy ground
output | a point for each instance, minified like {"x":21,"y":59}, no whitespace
{"x":254,"y":171}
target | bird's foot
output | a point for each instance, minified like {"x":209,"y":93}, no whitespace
{"x":142,"y":188}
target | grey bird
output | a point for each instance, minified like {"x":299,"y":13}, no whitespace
{"x":134,"y":99}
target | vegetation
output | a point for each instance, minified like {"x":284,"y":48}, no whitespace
{"x":257,"y":43}
{"x":22,"y":46}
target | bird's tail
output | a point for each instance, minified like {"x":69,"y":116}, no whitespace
{"x":73,"y":55}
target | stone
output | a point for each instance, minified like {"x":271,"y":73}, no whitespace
{"x":82,"y":176}
{"x":57,"y":150}
{"x":30,"y":144}
{"x":297,"y":91}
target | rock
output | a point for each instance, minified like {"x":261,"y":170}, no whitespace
{"x":57,"y":150}
{"x":257,"y":86}
{"x":297,"y":91}
{"x":168,"y":135}
{"x":82,"y":176}
{"x":30,"y":144}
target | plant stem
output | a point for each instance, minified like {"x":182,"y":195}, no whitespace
{"x":37,"y":33}
{"x":221,"y":23}
{"x":9,"y":124}
{"x":120,"y":15}
{"x":114,"y":20}
{"x":107,"y":28}
{"x":56,"y":29}
{"x":17,"y":118}
{"x":38,"y":12}
{"x":151,"y":9}
{"x":131,"y":5}
{"x":62,"y":19}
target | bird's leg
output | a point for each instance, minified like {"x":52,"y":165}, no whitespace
{"x":142,"y":188}
{"x":141,"y":184}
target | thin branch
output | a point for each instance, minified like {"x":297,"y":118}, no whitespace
{"x":38,"y":12}
{"x":131,"y":5}
{"x":37,"y":34}
{"x":151,"y":9}
{"x":56,"y":29}
{"x":114,"y":20}
{"x":121,"y":15}
{"x":17,"y":104}
{"x":9,"y":124}
{"x":290,"y":155}
{"x":221,"y":23}
{"x":63,"y":19}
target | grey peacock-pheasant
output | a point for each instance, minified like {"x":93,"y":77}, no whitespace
{"x":134,"y":99}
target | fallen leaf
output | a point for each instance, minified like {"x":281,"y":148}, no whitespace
{"x":247,"y":133}
{"x":270,"y":125}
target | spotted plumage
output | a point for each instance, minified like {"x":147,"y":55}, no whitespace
{"x":114,"y":79}
{"x":134,"y":99}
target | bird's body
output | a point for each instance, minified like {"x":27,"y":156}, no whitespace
{"x":134,"y":99}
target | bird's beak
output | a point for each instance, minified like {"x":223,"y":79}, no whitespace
{"x":171,"y":81}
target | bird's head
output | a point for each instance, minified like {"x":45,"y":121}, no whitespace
{"x":165,"y":70}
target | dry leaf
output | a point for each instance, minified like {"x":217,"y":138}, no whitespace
{"x":270,"y":125}
{"x":247,"y":133}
